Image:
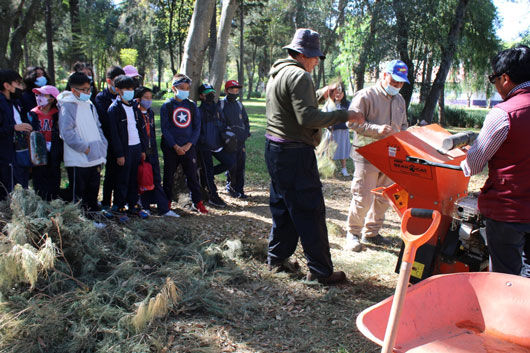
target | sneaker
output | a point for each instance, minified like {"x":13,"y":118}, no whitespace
{"x":99,"y":225}
{"x":148,"y":212}
{"x":123,"y":218}
{"x":334,"y":278}
{"x":377,"y":240}
{"x":122,"y":214}
{"x":216,"y":201}
{"x":170,"y":214}
{"x":199,"y":207}
{"x":344,"y":172}
{"x":233,"y":193}
{"x":143,"y":214}
{"x":352,"y":243}
{"x":105,"y":213}
{"x":243,"y":196}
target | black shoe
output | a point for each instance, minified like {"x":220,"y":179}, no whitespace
{"x":233,"y":193}
{"x":334,"y":278}
{"x":377,"y":240}
{"x":216,"y":201}
{"x":243,"y":196}
{"x":285,"y":266}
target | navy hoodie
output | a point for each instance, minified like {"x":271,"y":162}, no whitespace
{"x":212,"y":124}
{"x":180,"y":123}
{"x":119,"y":140}
{"x":237,"y":119}
{"x":103,"y":101}
{"x":7,"y":129}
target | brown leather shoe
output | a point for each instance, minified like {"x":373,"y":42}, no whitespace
{"x":334,"y":278}
{"x":285,"y":266}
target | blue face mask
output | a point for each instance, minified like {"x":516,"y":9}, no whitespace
{"x":391,"y":90}
{"x":41,"y":81}
{"x":84,"y":97}
{"x":128,"y":95}
{"x":146,"y":103}
{"x":182,"y":94}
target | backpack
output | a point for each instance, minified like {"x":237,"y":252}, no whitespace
{"x":145,"y":177}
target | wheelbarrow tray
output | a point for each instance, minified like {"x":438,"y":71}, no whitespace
{"x":463,"y":312}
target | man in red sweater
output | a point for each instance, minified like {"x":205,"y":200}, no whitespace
{"x":503,"y":144}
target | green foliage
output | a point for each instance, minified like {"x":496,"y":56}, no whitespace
{"x":454,"y":116}
{"x":128,"y":56}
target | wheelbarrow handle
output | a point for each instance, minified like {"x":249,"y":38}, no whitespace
{"x":420,"y":213}
{"x":422,"y":161}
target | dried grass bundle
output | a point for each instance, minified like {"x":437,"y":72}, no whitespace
{"x":324,"y":153}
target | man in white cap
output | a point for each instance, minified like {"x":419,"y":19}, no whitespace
{"x":385,"y":112}
{"x":294,"y":128}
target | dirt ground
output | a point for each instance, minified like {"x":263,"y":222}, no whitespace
{"x":275,"y":312}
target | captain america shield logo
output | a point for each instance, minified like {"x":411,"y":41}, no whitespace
{"x":182,"y":117}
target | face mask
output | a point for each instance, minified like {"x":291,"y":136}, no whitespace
{"x":128,"y":95}
{"x":232,"y":97}
{"x":113,"y":90}
{"x":42,"y":101}
{"x":391,"y":90}
{"x":146,"y":103}
{"x":182,"y":94}
{"x":17,"y":94}
{"x":210,"y":98}
{"x":41,"y":81}
{"x":84,"y":97}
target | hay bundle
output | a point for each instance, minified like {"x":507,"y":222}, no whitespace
{"x":325,"y":152}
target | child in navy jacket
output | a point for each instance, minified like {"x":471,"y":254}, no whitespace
{"x":11,"y":122}
{"x":128,"y":143}
{"x":144,"y":97}
{"x":181,"y":126}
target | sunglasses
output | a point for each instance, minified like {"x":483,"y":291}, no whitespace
{"x":493,"y":77}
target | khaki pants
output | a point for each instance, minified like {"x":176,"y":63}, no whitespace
{"x":367,"y":211}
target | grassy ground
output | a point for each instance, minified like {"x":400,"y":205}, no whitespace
{"x":236,"y":305}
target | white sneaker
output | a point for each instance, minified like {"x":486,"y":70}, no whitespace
{"x":99,"y":225}
{"x":147,"y":212}
{"x":352,"y":243}
{"x":344,"y":172}
{"x":170,"y":214}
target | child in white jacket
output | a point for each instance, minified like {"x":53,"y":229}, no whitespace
{"x":85,"y":146}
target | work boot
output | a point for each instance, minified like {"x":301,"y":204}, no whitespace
{"x":285,"y":266}
{"x":334,"y":278}
{"x":352,"y":243}
{"x":377,"y":240}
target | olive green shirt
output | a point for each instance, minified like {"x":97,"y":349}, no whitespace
{"x":292,"y":108}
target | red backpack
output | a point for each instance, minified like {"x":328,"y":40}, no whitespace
{"x":145,"y":177}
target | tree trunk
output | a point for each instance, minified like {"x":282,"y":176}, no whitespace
{"x":241,"y":73}
{"x":426,"y":83}
{"x":170,"y":44}
{"x":196,"y":43}
{"x":212,"y":43}
{"x":251,"y":70}
{"x":402,"y":47}
{"x":14,"y":27}
{"x":367,"y":47}
{"x":448,"y":52}
{"x":49,"y":42}
{"x":76,"y":49}
{"x":159,"y":70}
{"x":218,"y":70}
{"x":441,"y":107}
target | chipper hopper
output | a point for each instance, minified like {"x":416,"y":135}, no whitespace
{"x":424,"y":162}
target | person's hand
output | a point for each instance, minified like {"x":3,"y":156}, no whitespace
{"x":143,"y":156}
{"x":385,"y":130}
{"x":120,"y":161}
{"x":187,"y":147}
{"x":355,"y":117}
{"x":23,"y":127}
{"x":178,"y":150}
{"x":87,"y":151}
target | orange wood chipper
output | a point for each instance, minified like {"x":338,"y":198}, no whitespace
{"x":424,"y":162}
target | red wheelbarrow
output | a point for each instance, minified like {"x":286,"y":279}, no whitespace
{"x":464,"y":312}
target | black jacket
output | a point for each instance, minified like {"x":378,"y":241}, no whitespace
{"x":119,"y":134}
{"x":7,"y":129}
{"x":104,"y":100}
{"x":213,"y":123}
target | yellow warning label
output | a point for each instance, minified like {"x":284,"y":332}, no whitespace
{"x":417,"y":270}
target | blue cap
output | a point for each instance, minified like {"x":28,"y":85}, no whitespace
{"x":398,"y":69}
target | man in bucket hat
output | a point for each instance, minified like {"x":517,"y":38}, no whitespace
{"x":386,"y":113}
{"x":294,"y":125}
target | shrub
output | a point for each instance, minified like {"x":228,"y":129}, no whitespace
{"x":457,"y":117}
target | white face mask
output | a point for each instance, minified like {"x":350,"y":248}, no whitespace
{"x":391,"y":90}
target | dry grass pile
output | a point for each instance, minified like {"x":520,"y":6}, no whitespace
{"x":66,"y":286}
